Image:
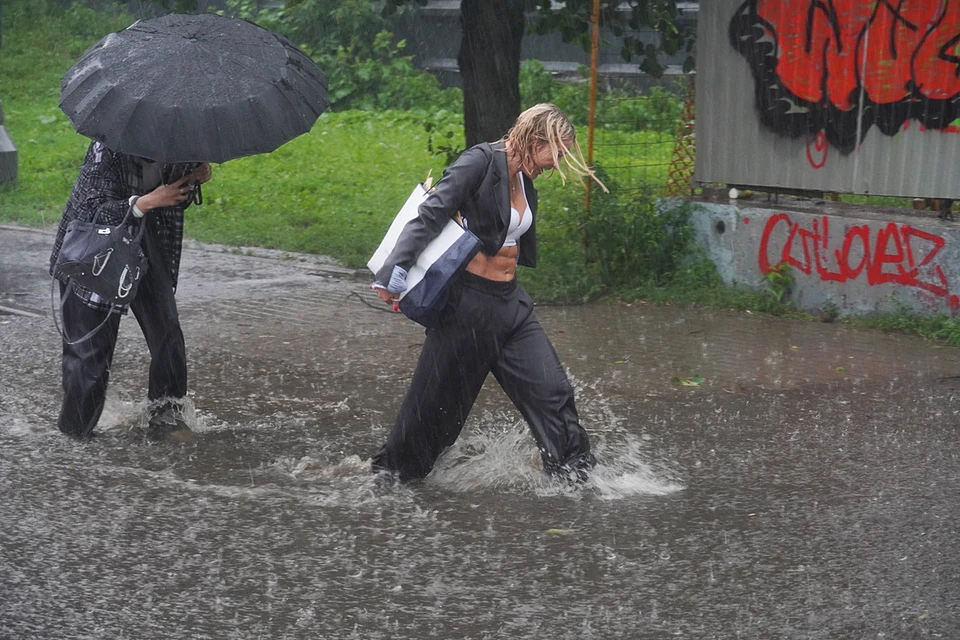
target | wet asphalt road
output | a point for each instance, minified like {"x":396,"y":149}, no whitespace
{"x":807,"y":488}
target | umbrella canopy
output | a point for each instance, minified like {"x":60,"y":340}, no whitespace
{"x":193,"y":88}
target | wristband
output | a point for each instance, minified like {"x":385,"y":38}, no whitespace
{"x":398,"y":280}
{"x":136,"y":210}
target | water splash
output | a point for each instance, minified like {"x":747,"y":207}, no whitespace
{"x":505,"y":458}
{"x":624,"y":470}
{"x":122,"y":415}
{"x":491,"y":458}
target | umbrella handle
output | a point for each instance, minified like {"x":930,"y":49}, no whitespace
{"x":196,"y":196}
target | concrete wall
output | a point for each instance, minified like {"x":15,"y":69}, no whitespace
{"x":854,"y":260}
{"x":8,"y":155}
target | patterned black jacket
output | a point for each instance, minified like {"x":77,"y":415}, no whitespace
{"x":103,"y":189}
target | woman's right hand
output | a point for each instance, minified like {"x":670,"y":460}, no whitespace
{"x":387,"y":296}
{"x":390,"y":293}
{"x":166,"y":195}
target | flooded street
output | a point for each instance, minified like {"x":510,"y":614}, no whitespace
{"x":806,"y":485}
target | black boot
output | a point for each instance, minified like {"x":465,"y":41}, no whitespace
{"x":166,"y":424}
{"x":575,"y":470}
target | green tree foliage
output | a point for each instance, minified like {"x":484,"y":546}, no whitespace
{"x":491,"y":71}
{"x":353,"y":42}
{"x":658,"y":109}
{"x":571,"y":19}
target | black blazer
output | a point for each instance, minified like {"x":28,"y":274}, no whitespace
{"x":477,"y":186}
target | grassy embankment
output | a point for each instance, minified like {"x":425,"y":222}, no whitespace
{"x":332,"y":191}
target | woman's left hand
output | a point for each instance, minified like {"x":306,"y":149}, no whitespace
{"x":201,"y":174}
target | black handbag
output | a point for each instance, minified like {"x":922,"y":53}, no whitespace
{"x":104,"y":259}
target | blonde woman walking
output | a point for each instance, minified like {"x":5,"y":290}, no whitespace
{"x":488,"y":324}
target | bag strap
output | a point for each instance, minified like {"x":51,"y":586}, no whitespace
{"x":126,"y":217}
{"x":143,"y":225}
{"x":428,"y":187}
{"x":53,"y":307}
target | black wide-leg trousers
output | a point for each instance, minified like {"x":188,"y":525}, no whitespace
{"x":86,"y":365}
{"x":487,"y":327}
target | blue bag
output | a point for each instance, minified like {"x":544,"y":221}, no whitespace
{"x":437,"y":266}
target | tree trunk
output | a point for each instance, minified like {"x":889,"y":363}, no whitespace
{"x":490,"y":67}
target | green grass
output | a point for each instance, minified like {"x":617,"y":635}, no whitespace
{"x":634,"y":159}
{"x":937,"y":327}
{"x":40,"y":42}
{"x":333,"y":191}
{"x":877,"y":201}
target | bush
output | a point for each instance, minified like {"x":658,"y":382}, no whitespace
{"x":658,"y":109}
{"x":383,"y":79}
{"x":353,"y":43}
{"x":626,"y":243}
{"x":536,"y":84}
{"x":445,"y":135}
{"x":324,"y":26}
{"x":630,"y":240}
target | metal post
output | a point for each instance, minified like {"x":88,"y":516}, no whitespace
{"x":8,"y":155}
{"x":591,"y":118}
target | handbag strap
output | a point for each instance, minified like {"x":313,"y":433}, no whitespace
{"x":136,"y":238}
{"x":63,"y":299}
{"x":143,"y":225}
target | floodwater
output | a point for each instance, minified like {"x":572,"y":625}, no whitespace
{"x":805,"y":486}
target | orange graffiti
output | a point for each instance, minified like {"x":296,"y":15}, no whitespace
{"x":817,"y":62}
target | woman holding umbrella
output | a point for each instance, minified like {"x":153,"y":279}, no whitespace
{"x":183,"y":90}
{"x":488,"y":324}
{"x":110,"y":186}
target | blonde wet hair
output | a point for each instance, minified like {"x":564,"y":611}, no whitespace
{"x":546,"y":123}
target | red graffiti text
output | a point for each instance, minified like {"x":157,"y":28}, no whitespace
{"x":817,"y":150}
{"x":893,"y":254}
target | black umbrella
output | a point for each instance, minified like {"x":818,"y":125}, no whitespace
{"x":193,"y":88}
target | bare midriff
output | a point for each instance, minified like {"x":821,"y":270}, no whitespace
{"x":501,"y":267}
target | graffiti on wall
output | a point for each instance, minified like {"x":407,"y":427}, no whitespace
{"x":894,"y":253}
{"x":836,"y":68}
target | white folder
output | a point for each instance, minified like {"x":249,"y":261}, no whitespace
{"x":437,"y":247}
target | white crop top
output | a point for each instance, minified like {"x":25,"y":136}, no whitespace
{"x":518,"y":226}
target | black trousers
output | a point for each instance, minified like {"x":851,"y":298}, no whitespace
{"x":86,"y":365}
{"x":487,"y":326}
